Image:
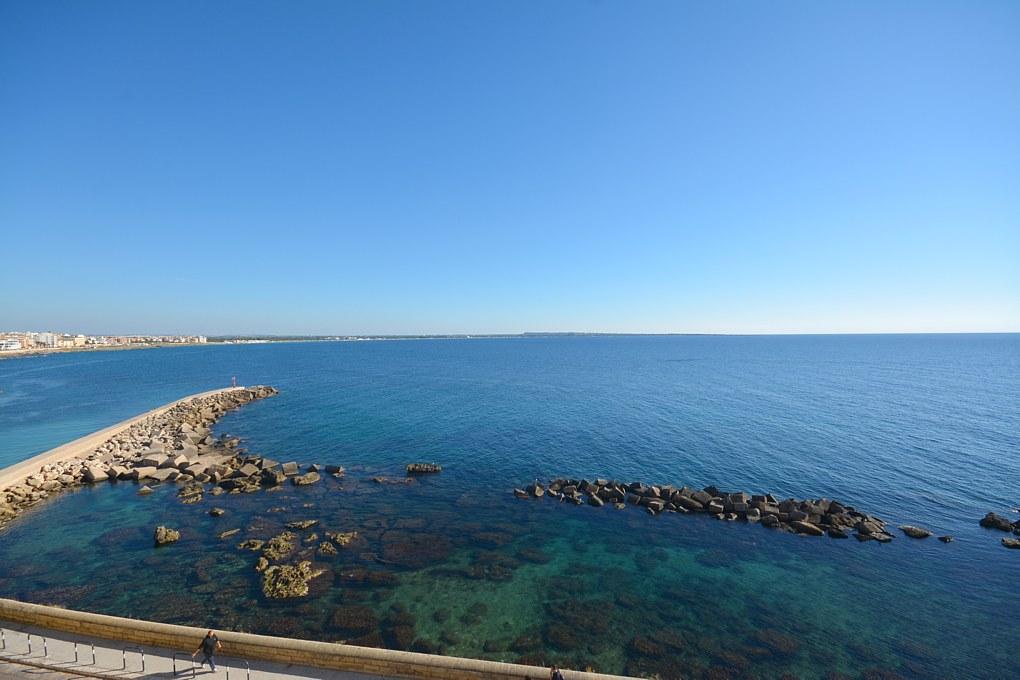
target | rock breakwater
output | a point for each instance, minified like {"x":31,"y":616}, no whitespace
{"x":175,"y":445}
{"x":810,"y":517}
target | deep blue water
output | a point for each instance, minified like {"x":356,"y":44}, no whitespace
{"x":916,"y":429}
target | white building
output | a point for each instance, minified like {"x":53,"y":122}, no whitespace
{"x":8,"y":345}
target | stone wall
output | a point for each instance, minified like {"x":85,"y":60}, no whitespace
{"x":274,"y":649}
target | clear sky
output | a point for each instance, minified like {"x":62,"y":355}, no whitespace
{"x":483,"y":166}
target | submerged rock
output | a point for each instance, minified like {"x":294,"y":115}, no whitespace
{"x":302,"y":524}
{"x":342,"y":539}
{"x":288,"y":580}
{"x":164,"y":535}
{"x":353,"y":620}
{"x":279,"y":546}
{"x":946,"y":539}
{"x":1013,"y":543}
{"x":915,"y":532}
{"x":306,"y":479}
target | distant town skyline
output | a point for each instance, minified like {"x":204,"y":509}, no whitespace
{"x":385,"y":168}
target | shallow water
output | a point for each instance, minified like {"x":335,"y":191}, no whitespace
{"x":919,"y":429}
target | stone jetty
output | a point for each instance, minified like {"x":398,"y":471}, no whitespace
{"x":174,"y":444}
{"x":813,"y":517}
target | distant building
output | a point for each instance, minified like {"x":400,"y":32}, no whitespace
{"x":9,"y":345}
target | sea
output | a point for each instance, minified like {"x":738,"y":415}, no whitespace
{"x":916,"y":429}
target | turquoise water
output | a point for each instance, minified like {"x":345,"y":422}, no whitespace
{"x":919,"y":429}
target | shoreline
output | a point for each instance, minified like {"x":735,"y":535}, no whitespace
{"x":45,"y":351}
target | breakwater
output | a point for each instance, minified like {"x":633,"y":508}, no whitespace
{"x":171,"y":443}
{"x":812,"y":517}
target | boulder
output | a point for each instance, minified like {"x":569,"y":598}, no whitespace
{"x":1012,"y":543}
{"x":168,"y":462}
{"x":702,"y":497}
{"x":306,"y":479}
{"x":290,"y":468}
{"x":144,"y":490}
{"x":915,"y":532}
{"x":246,"y":470}
{"x":92,"y":475}
{"x":689,"y":503}
{"x":195,"y":469}
{"x":154,"y":461}
{"x":142,"y":472}
{"x":117,"y":472}
{"x":167,"y":474}
{"x":216,"y":512}
{"x":164,"y":535}
{"x":946,"y":539}
{"x":807,"y":528}
{"x":272,"y":477}
{"x":993,"y":521}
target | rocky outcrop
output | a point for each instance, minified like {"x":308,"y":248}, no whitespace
{"x":164,"y":535}
{"x":1013,"y":543}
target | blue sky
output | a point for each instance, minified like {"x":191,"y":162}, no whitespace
{"x":429,"y":167}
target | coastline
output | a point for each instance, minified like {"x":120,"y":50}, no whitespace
{"x":46,"y":351}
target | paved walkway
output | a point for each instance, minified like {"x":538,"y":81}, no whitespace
{"x":56,"y":651}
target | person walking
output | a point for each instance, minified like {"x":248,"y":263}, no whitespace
{"x":555,"y":674}
{"x":209,"y":646}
